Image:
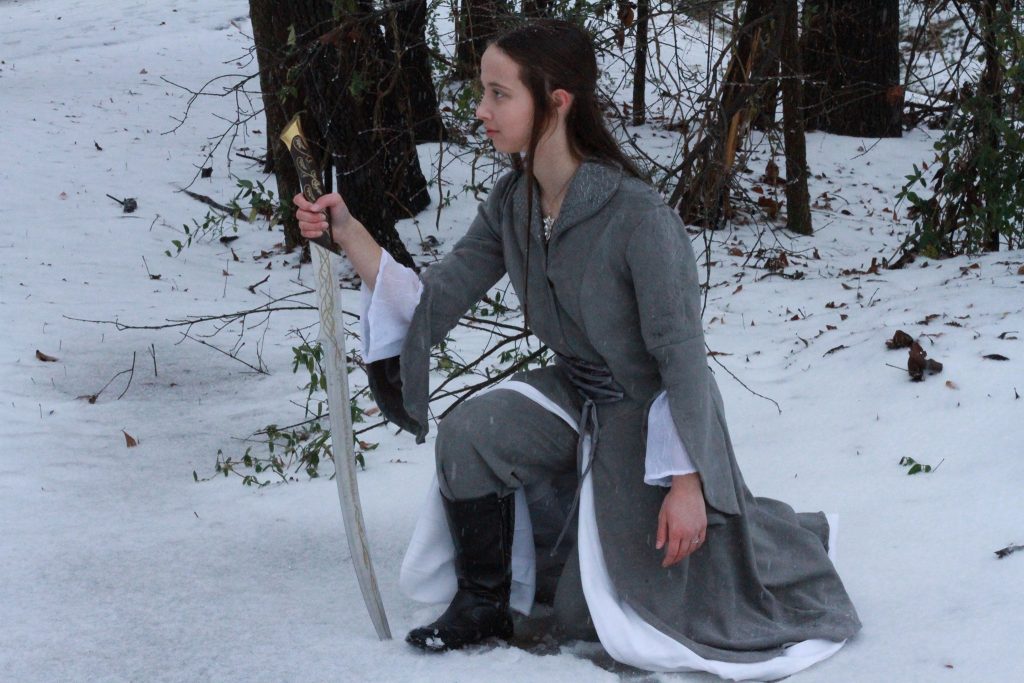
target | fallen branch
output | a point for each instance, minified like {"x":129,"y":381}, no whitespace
{"x":233,"y":212}
{"x":733,"y":375}
{"x":92,"y":398}
{"x":261,"y":370}
{"x":1008,"y":550}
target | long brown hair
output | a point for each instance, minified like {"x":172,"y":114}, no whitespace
{"x":554,"y":54}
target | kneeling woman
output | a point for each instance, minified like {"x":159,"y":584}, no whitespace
{"x":676,"y":566}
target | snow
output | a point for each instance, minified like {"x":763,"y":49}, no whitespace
{"x":116,"y":565}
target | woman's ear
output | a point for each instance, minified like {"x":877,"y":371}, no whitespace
{"x":562,"y":100}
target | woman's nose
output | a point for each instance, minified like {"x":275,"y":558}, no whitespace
{"x":481,"y":112}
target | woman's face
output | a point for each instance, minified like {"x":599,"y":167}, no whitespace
{"x":506,"y":106}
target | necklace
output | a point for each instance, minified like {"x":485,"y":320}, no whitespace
{"x":548,"y":219}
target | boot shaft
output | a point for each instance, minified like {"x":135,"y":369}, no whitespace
{"x":482,"y":530}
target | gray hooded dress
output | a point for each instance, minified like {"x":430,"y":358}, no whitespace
{"x":617,"y":286}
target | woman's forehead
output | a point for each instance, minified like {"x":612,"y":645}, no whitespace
{"x":497,"y":68}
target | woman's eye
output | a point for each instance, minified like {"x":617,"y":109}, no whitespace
{"x":498,"y":95}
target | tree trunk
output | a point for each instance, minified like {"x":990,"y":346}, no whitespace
{"x":357,"y":103}
{"x":406,"y":33}
{"x":702,"y":193}
{"x":851,"y":56}
{"x":643,"y":9}
{"x":990,"y":85}
{"x":798,"y":210}
{"x":351,"y":84}
{"x":271,"y":22}
{"x":767,"y":104}
{"x":479,"y":21}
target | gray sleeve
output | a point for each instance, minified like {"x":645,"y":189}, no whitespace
{"x":450,"y":287}
{"x":663,"y":269}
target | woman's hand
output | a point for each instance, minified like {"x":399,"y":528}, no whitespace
{"x":361,"y":249}
{"x":682,"y":522}
{"x":312,"y":216}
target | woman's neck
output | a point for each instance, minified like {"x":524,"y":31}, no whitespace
{"x":554,"y":166}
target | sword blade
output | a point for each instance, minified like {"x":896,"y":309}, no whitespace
{"x":332,"y":340}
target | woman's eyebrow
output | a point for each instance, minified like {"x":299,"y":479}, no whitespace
{"x":496,"y":84}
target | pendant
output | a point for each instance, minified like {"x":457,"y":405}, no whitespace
{"x":549,"y":224}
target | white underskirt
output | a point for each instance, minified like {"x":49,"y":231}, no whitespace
{"x":428,"y":575}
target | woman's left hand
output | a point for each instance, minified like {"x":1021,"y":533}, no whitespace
{"x":682,"y":522}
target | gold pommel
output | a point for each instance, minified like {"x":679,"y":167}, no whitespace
{"x":293,"y":129}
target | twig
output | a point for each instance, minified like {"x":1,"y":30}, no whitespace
{"x":152,"y":352}
{"x":268,"y":307}
{"x":489,"y":352}
{"x":261,"y":371}
{"x":130,"y":377}
{"x":234,"y":213}
{"x":93,"y":397}
{"x":252,"y":288}
{"x":473,"y":389}
{"x":261,"y":160}
{"x":741,"y":383}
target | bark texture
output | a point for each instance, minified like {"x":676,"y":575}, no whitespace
{"x":406,"y":31}
{"x":851,"y":57}
{"x":271,"y":22}
{"x":478,"y":22}
{"x":798,"y":209}
{"x":643,"y":8}
{"x":702,"y":193}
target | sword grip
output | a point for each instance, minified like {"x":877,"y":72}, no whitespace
{"x":309,"y":175}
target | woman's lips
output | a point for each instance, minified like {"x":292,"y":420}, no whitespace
{"x":491,"y":132}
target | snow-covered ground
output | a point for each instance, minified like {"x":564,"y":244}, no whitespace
{"x":116,"y":565}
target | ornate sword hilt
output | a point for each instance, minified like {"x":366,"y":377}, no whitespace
{"x":309,"y":175}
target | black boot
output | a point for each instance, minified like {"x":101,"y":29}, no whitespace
{"x":482,"y":531}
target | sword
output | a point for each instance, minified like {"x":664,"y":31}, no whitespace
{"x":332,"y":340}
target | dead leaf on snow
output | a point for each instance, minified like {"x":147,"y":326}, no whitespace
{"x":770,"y":206}
{"x":950,"y":384}
{"x":46,"y":358}
{"x":900,"y":340}
{"x":995,"y":356}
{"x":916,"y":362}
{"x":778,"y":262}
{"x":129,"y":440}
